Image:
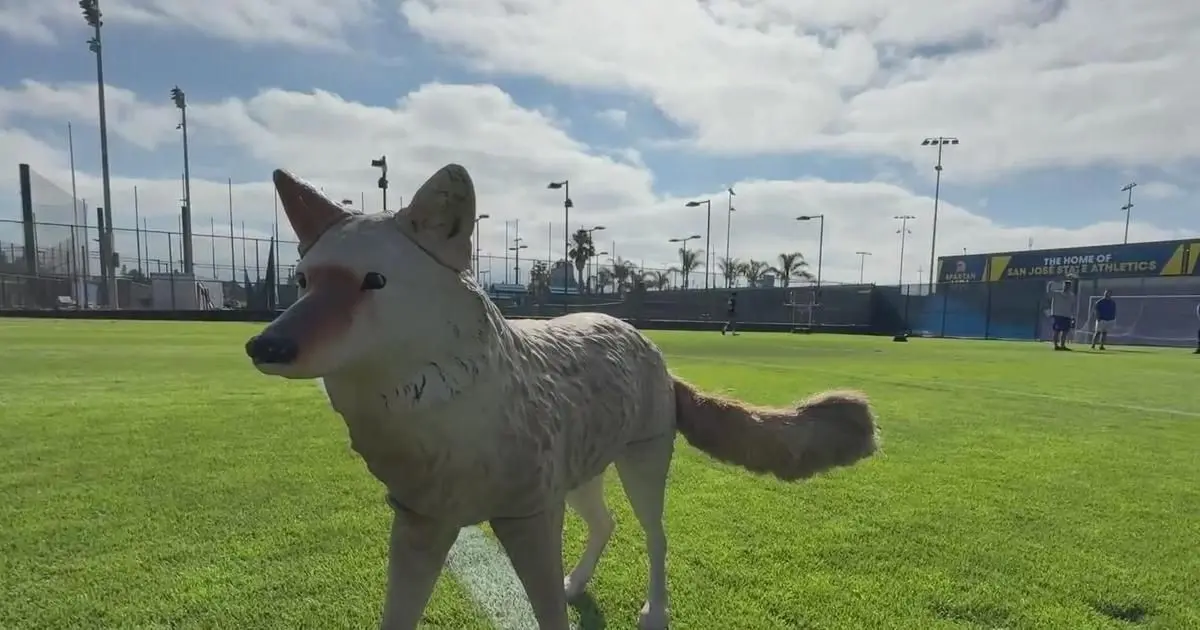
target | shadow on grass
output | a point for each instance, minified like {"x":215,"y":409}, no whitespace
{"x":1131,"y":613}
{"x":590,"y":617}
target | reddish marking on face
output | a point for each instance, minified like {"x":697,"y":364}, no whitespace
{"x":325,"y":312}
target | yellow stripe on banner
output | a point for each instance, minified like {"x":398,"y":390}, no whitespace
{"x":997,"y":265}
{"x":1174,"y":265}
{"x":1195,"y":252}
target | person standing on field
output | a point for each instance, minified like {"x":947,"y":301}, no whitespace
{"x":1062,"y":307}
{"x":731,"y":315}
{"x":1105,"y":311}
{"x":1197,"y":330}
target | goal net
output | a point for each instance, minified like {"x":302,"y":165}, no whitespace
{"x":802,"y":305}
{"x":1147,"y":320}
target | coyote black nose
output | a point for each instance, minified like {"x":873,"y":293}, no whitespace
{"x":271,"y":349}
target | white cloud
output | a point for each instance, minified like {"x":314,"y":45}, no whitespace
{"x":512,"y":152}
{"x":301,"y":23}
{"x":1160,"y":190}
{"x":614,"y":117}
{"x":1024,"y":83}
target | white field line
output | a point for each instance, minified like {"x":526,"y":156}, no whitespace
{"x":481,"y":567}
{"x":479,"y":564}
{"x":954,"y":386}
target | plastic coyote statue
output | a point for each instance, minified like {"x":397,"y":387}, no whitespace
{"x":467,"y":417}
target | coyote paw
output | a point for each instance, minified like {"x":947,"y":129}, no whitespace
{"x":574,"y":587}
{"x":652,"y":618}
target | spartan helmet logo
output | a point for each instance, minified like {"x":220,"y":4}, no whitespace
{"x":960,"y":266}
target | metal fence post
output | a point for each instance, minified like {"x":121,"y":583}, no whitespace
{"x":987,"y":314}
{"x":171,"y":268}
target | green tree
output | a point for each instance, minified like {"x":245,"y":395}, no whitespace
{"x":658,"y":280}
{"x":689,"y":260}
{"x":135,"y":275}
{"x":539,"y":279}
{"x":730,"y":268}
{"x":605,"y":279}
{"x":623,"y":272}
{"x":792,"y":265}
{"x":753,"y":271}
{"x":582,"y":250}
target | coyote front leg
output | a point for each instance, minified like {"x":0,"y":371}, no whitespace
{"x":534,"y":545}
{"x":417,"y":550}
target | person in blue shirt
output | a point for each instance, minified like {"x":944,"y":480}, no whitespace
{"x":1105,"y":311}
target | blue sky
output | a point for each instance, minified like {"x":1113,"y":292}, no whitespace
{"x":805,"y":109}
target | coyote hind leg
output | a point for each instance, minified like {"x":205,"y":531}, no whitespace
{"x":588,"y":501}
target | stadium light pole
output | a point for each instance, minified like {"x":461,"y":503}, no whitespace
{"x":477,"y":220}
{"x":940,"y":142}
{"x":862,"y":264}
{"x":92,"y":15}
{"x":180,"y":100}
{"x":684,"y":245}
{"x":381,"y":164}
{"x":707,"y":203}
{"x":595,"y":268}
{"x":592,"y":258}
{"x":565,"y":185}
{"x":820,"y":242}
{"x":728,"y":229}
{"x":1128,"y":207}
{"x":903,"y":232}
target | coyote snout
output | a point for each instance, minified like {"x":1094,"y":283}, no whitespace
{"x":272,"y":349}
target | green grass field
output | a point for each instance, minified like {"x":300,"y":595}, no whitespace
{"x":152,"y":479}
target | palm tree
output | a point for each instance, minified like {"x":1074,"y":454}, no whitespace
{"x":792,"y":265}
{"x":582,"y":250}
{"x":731,"y":268}
{"x":658,"y":279}
{"x":753,"y":270}
{"x":689,"y":260}
{"x":604,"y":278}
{"x":539,"y":279}
{"x":623,"y":272}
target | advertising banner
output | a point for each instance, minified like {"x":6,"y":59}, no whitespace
{"x":1133,"y":260}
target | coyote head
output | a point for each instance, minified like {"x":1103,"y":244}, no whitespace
{"x":371,"y":286}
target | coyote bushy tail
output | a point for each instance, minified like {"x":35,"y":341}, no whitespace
{"x":825,"y":431}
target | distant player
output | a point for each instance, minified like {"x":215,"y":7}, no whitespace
{"x":1197,"y":331}
{"x":730,"y":315}
{"x":1105,"y":312}
{"x":1062,"y":307}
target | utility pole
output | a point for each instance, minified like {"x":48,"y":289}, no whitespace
{"x":728,"y":228}
{"x":707,"y":203}
{"x":1128,"y":207}
{"x":940,"y":142}
{"x":862,"y":264}
{"x":91,"y":14}
{"x":180,"y":100}
{"x":903,"y":232}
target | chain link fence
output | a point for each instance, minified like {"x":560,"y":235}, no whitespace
{"x":233,"y":272}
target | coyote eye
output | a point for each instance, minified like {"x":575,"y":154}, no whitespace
{"x":301,"y":281}
{"x":373,"y":281}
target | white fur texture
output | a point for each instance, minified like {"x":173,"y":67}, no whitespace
{"x":466,"y":417}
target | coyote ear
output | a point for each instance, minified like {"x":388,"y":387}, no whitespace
{"x":441,"y":216}
{"x":308,"y":210}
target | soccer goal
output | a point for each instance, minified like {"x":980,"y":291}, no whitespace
{"x":802,"y":310}
{"x":1147,"y":320}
